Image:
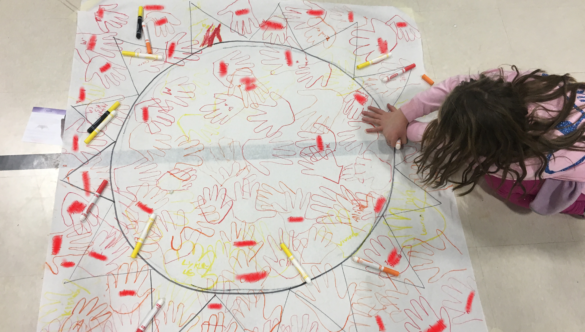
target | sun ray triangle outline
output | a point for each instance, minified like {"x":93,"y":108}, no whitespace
{"x":349,"y":299}
{"x":270,"y":16}
{"x":240,"y":325}
{"x":197,"y":314}
{"x":282,"y":313}
{"x":85,"y":162}
{"x":438,"y":202}
{"x":213,"y":17}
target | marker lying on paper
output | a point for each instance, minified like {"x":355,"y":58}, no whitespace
{"x":295,"y":263}
{"x":144,"y":235}
{"x":103,"y":117}
{"x":398,"y":144}
{"x":150,"y":315}
{"x":142,"y":55}
{"x":376,"y":266}
{"x":387,"y":79}
{"x":100,"y":127}
{"x":147,"y":38}
{"x":376,"y":60}
{"x":96,"y":195}
{"x":428,"y":79}
{"x":139,"y":26}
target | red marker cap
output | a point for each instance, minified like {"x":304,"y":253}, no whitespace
{"x":102,"y":187}
{"x":409,"y":67}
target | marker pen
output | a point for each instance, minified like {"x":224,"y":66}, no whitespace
{"x":376,"y":266}
{"x":94,"y":199}
{"x":139,"y":26}
{"x":103,"y":117}
{"x":142,"y":55}
{"x":147,"y":38}
{"x":387,"y":79}
{"x":144,"y":235}
{"x":295,"y":263}
{"x":376,"y":60}
{"x":150,"y":315}
{"x":100,"y":127}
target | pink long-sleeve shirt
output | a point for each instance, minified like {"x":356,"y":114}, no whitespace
{"x":566,"y":165}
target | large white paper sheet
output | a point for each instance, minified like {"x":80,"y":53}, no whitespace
{"x":246,"y":136}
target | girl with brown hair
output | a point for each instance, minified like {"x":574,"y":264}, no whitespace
{"x":521,"y":131}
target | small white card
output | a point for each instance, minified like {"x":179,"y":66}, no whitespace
{"x":44,"y":126}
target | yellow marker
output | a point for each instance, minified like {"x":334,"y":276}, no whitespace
{"x":376,"y":60}
{"x":144,"y":235}
{"x":100,"y":127}
{"x":142,"y":55}
{"x":295,"y":263}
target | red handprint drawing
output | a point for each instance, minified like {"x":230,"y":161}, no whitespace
{"x":403,"y":29}
{"x":66,"y":250}
{"x":164,"y":23}
{"x":355,"y":103}
{"x":373,"y":39}
{"x":177,"y":92}
{"x":225,"y":108}
{"x":272,"y":116}
{"x":128,"y":288}
{"x":323,"y":164}
{"x":154,"y":114}
{"x":314,"y":73}
{"x":225,"y":67}
{"x":243,"y":20}
{"x":245,"y":199}
{"x":106,"y":72}
{"x":310,"y":19}
{"x":320,"y":139}
{"x":424,"y":318}
{"x":88,"y":315}
{"x":106,"y":18}
{"x":214,"y":204}
{"x":91,"y":45}
{"x":461,"y":301}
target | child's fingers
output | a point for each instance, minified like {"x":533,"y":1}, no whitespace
{"x":375,"y":122}
{"x":376,"y":110}
{"x":391,"y":108}
{"x":404,"y":139}
{"x":372,"y":115}
{"x":374,"y":130}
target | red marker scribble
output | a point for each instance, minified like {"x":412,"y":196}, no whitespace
{"x":382,"y":45}
{"x":320,"y":143}
{"x":75,"y":144}
{"x":437,"y":327}
{"x":269,"y":25}
{"x":97,"y":256}
{"x":154,"y":7}
{"x":86,"y":187}
{"x":210,"y":35}
{"x":379,"y":204}
{"x":99,"y":14}
{"x":380,"y":323}
{"x":401,"y":24}
{"x":469,"y":302}
{"x":76,"y":207}
{"x":393,"y":258}
{"x":248,"y":243}
{"x":288,"y":56}
{"x":91,"y":43}
{"x":144,"y":207}
{"x":215,"y":306}
{"x":171,"y":50}
{"x":315,"y":12}
{"x":222,"y":68}
{"x":145,"y":114}
{"x":242,"y":12}
{"x":162,"y":21}
{"x":105,"y":67}
{"x":296,"y":219}
{"x":57,"y":242}
{"x":126,"y":292}
{"x":67,"y":264}
{"x":360,"y":98}
{"x":81,"y":95}
{"x":249,"y":83}
{"x":252,"y":277}
{"x":350,"y":16}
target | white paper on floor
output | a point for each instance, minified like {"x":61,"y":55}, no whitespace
{"x":44,"y":126}
{"x":248,"y":135}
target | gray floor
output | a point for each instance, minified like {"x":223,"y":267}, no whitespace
{"x":530,"y":269}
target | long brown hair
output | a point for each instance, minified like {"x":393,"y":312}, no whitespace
{"x":486,"y":123}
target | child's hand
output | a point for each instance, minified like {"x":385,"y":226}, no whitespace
{"x":392,"y":124}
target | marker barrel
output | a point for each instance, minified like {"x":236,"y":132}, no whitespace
{"x":387,"y":79}
{"x":103,"y":117}
{"x":143,"y":236}
{"x":94,"y":199}
{"x":374,"y":61}
{"x":146,"y":321}
{"x":295,"y":263}
{"x":100,"y":127}
{"x":376,"y":266}
{"x":142,"y":55}
{"x":147,"y":37}
{"x":139,"y":26}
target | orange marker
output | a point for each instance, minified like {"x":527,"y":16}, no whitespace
{"x":428,"y":79}
{"x":147,"y":38}
{"x":376,"y":266}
